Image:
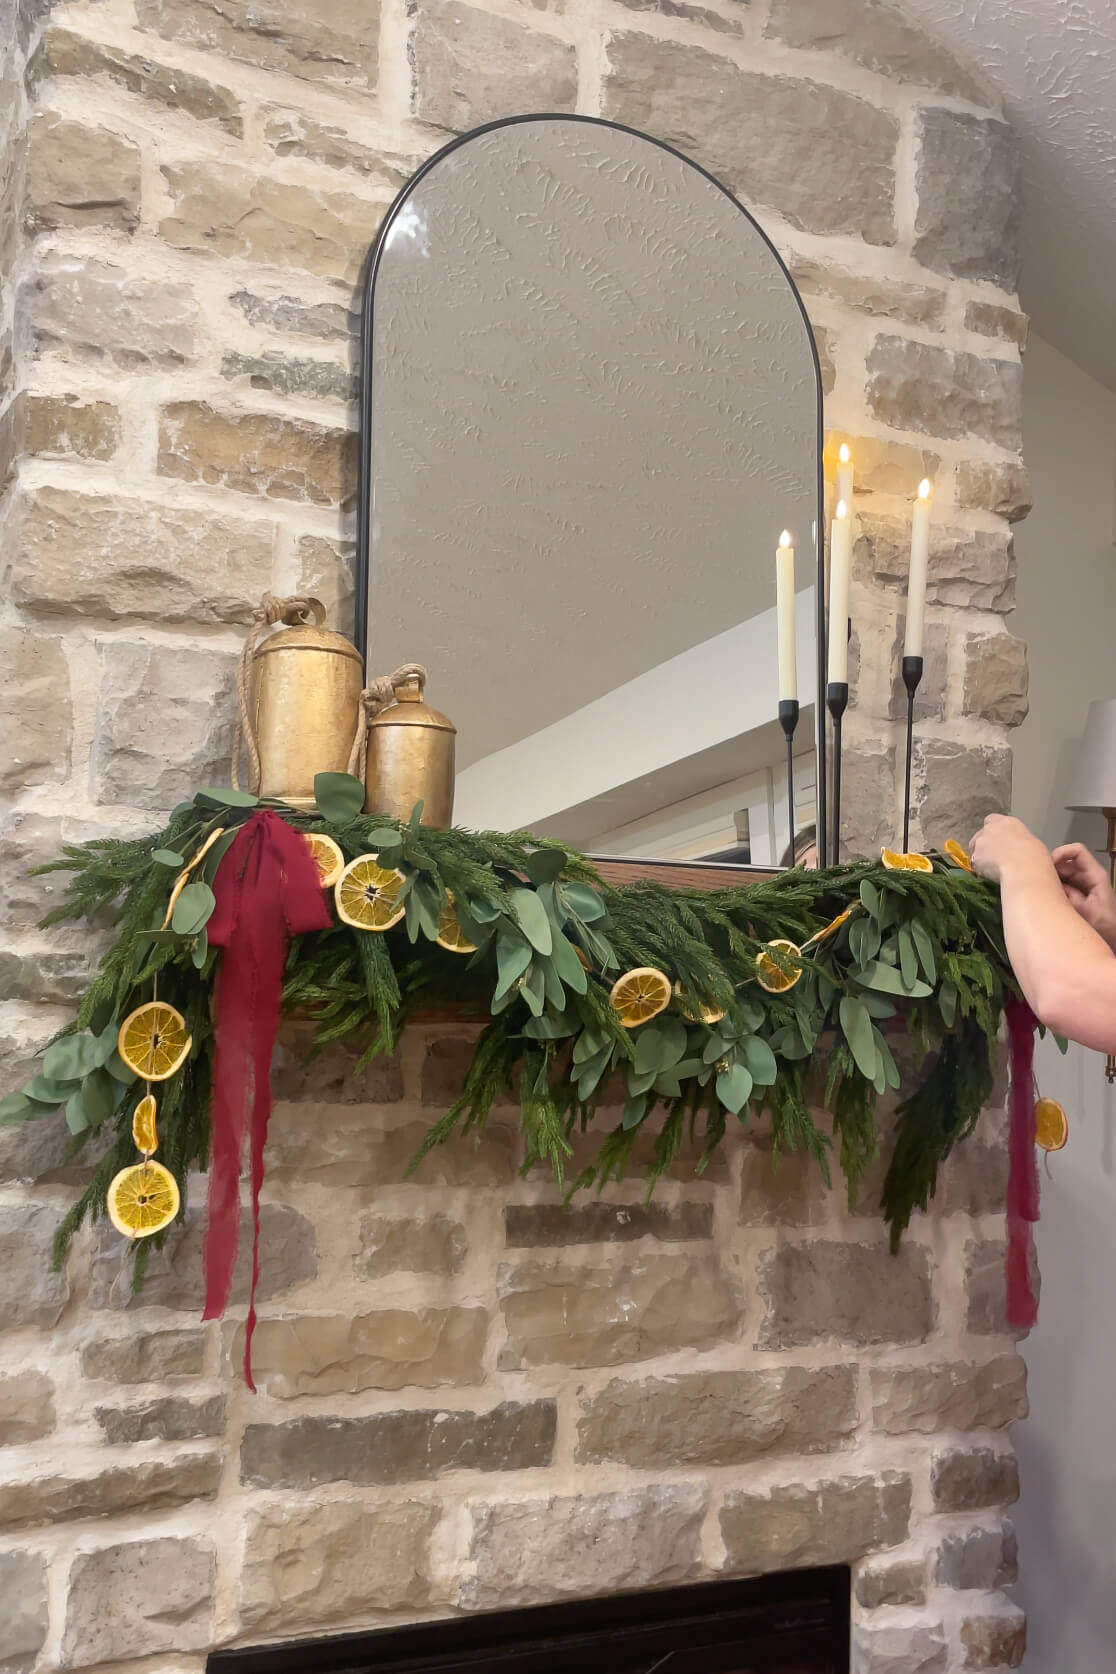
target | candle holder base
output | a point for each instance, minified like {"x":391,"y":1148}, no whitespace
{"x":912,"y":678}
{"x":837,"y":701}
{"x":788,"y":720}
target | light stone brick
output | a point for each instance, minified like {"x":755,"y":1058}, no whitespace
{"x":847,"y":1293}
{"x":390,"y":1447}
{"x":167,"y":1418}
{"x":994,"y":320}
{"x":1002,"y":488}
{"x":945,"y":392}
{"x":79,"y":176}
{"x":821,"y":158}
{"x":338,"y":43}
{"x":319,"y":379}
{"x":23,"y":1610}
{"x":899,"y":1649}
{"x":337,"y":1147}
{"x":796,"y":1526}
{"x":603,"y":1316}
{"x":257,"y":453}
{"x":165,"y":721}
{"x":882,"y":467}
{"x":334,"y":1564}
{"x":974,"y":569}
{"x":326,"y":1354}
{"x":717,"y":21}
{"x":472,"y":67}
{"x":538,"y":1225}
{"x":959,"y":788}
{"x":434,"y":1244}
{"x":63,"y":53}
{"x":226,"y":211}
{"x":98,"y":312}
{"x":877,"y":35}
{"x":788,"y":1190}
{"x":36,"y":715}
{"x":529,"y":1551}
{"x":868,"y":294}
{"x":718,"y":1418}
{"x":288,"y":1258}
{"x":973,"y":1179}
{"x":99,"y":555}
{"x":995,"y":1639}
{"x":45,"y":976}
{"x":902,"y":1583}
{"x":974,"y":1480}
{"x":154,"y":1593}
{"x":327,"y":571}
{"x":43,"y":1151}
{"x":953,"y":1395}
{"x":291,"y":133}
{"x":66,"y":427}
{"x":996,"y":678}
{"x":145,"y":1356}
{"x":26,"y":1408}
{"x":328,"y":320}
{"x":970,"y":199}
{"x":331,"y":1075}
{"x":980,"y":1561}
{"x":31,"y":1292}
{"x":867,"y":820}
{"x":155,"y":1484}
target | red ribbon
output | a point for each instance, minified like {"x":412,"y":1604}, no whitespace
{"x":267,"y":891}
{"x":1023,"y":1176}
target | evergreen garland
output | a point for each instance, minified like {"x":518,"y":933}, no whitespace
{"x":920,"y":952}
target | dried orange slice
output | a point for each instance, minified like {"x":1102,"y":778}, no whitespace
{"x":450,"y":934}
{"x":328,"y":858}
{"x":144,"y":1136}
{"x":774,"y":971}
{"x":952,"y":849}
{"x":1051,"y":1125}
{"x":695,"y":1010}
{"x":142,"y":1199}
{"x":640,"y":995}
{"x":831,"y":928}
{"x":906,"y":862}
{"x":153,"y":1041}
{"x":367,"y":894}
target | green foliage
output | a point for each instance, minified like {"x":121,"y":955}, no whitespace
{"x":922,"y":951}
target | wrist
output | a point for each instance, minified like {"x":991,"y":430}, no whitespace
{"x":1030,"y":867}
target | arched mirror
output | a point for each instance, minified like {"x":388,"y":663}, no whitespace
{"x":590,"y":405}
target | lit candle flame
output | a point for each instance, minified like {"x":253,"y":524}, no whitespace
{"x":843,"y":453}
{"x":924,"y":489}
{"x":842,"y":509}
{"x":784,"y":538}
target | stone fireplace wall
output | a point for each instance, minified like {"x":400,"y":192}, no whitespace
{"x":186,"y":193}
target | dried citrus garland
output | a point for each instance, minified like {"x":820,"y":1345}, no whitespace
{"x":707,"y":1004}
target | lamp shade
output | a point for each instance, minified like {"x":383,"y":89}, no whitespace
{"x":1093,"y":785}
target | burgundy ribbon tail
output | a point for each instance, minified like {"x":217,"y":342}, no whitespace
{"x":267,"y":890}
{"x":1023,"y":1176}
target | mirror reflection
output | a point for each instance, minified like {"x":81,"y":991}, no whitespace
{"x":594,"y":407}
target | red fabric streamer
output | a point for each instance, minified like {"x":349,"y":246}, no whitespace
{"x":1023,"y":1176}
{"x":267,"y":891}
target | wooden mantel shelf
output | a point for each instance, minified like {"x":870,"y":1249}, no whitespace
{"x":680,"y":874}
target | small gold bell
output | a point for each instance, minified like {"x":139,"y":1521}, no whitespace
{"x":410,"y":759}
{"x":306,"y":684}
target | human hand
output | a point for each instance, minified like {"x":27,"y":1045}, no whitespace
{"x":1087,"y":889}
{"x":1004,"y":845}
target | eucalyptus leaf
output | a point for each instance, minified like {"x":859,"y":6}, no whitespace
{"x":513,"y":955}
{"x":650,"y":1049}
{"x":908,"y":956}
{"x":856,"y":1026}
{"x":545,"y":865}
{"x":892,"y":1078}
{"x":669,"y":1083}
{"x":550,"y":1026}
{"x":752,"y":1014}
{"x":675,"y":1038}
{"x":49,"y":1093}
{"x":789,"y":1044}
{"x":418,"y":858}
{"x":1061,"y":1043}
{"x":219,"y":796}
{"x":591,"y":1071}
{"x":925,"y":947}
{"x":870,"y":897}
{"x":864,"y":941}
{"x":158,"y":936}
{"x":76,"y":1119}
{"x":70,"y":1058}
{"x":588,"y":1044}
{"x":569,"y":966}
{"x":947,"y":1003}
{"x":634,"y":1112}
{"x":534,"y":991}
{"x":120,"y":1071}
{"x":17,"y":1107}
{"x":199,"y":953}
{"x":734,"y":1088}
{"x":339,"y":796}
{"x":99,"y":1097}
{"x":530,"y":915}
{"x":887,"y":980}
{"x":552,"y":984}
{"x":760,"y":1061}
{"x":715,"y":1047}
{"x":383,"y":837}
{"x":106,"y":1039}
{"x":641,"y":1081}
{"x":584,"y":902}
{"x":193,"y":909}
{"x":877,"y":1006}
{"x":485,"y":912}
{"x":416,"y":817}
{"x":167,"y":857}
{"x":598,"y":948}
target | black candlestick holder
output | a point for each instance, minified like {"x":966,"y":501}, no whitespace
{"x":788,"y":720}
{"x":912,"y":679}
{"x":837,"y":701}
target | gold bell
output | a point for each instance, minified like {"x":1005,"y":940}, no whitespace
{"x":410,"y":758}
{"x":306,"y":683}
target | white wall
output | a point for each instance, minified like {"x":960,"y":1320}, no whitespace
{"x":1067,"y":1449}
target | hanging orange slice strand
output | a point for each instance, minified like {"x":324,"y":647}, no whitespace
{"x":1051,"y":1125}
{"x":696,"y":1010}
{"x":366,"y":894}
{"x":640,"y":995}
{"x":450,"y":934}
{"x":775,"y":972}
{"x":906,"y":862}
{"x":144,"y":1135}
{"x":952,"y":850}
{"x":830,"y":929}
{"x":153,"y":1041}
{"x":142,"y":1200}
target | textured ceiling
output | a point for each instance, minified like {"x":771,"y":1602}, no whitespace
{"x":1054,"y":62}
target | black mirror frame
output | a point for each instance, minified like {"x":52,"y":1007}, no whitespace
{"x":364,"y":484}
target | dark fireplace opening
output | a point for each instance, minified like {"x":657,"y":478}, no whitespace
{"x":796,"y":1623}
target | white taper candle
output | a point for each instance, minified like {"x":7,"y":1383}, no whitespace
{"x":784,"y":602}
{"x":916,"y":582}
{"x":845,"y":475}
{"x":840,"y":562}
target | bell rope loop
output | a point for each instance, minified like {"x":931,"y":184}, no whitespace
{"x":377,"y":696}
{"x":296,"y":608}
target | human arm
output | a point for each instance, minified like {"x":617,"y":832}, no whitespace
{"x":1065,"y":968}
